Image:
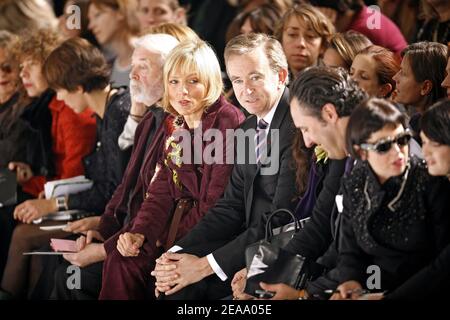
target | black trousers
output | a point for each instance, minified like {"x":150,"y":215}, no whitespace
{"x":90,"y":283}
{"x":46,"y":282}
{"x":7,"y":225}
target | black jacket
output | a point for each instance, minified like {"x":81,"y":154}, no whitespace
{"x":400,"y":226}
{"x":433,"y":280}
{"x":39,"y":147}
{"x":106,"y":165}
{"x":238,"y":218}
{"x":14,"y":132}
{"x":315,"y":238}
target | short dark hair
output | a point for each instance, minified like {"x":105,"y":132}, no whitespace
{"x":75,"y":63}
{"x":428,"y":61}
{"x":371,"y":116}
{"x":317,"y":86}
{"x":435,"y":122}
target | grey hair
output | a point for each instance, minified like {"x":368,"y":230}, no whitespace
{"x":163,"y":43}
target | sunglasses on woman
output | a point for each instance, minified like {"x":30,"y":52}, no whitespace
{"x":384,"y":145}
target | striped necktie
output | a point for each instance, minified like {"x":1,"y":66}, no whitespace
{"x":260,"y":139}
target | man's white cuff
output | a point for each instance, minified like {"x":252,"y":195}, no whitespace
{"x":175,"y":249}
{"x":215,"y":266}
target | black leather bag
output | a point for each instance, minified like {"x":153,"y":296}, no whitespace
{"x":267,"y":262}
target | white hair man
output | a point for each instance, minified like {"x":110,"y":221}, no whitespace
{"x":146,"y":85}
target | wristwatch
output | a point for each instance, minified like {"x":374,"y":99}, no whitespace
{"x":61,"y":203}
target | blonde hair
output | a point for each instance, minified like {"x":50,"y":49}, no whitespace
{"x":179,"y":31}
{"x":8,"y":41}
{"x":194,"y":57}
{"x":312,"y":17}
{"x":17,"y":16}
{"x":246,"y":43}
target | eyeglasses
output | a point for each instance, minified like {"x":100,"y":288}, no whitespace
{"x":384,"y":145}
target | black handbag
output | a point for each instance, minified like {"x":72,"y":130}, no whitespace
{"x":267,"y":262}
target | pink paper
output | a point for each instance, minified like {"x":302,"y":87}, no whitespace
{"x":62,"y":245}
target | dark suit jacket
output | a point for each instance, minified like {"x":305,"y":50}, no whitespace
{"x":237,"y":219}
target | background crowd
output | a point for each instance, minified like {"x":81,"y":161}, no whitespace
{"x":351,"y":102}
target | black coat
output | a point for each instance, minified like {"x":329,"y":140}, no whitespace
{"x":238,"y":218}
{"x":39,"y":147}
{"x":106,"y":164}
{"x":433,"y":280}
{"x":400,"y":226}
{"x":14,"y":132}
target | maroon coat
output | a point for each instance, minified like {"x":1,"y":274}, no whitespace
{"x":129,"y":195}
{"x":203,"y":183}
{"x":129,"y":277}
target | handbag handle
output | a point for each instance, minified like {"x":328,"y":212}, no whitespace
{"x":269,"y":222}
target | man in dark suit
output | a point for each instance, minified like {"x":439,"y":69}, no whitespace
{"x":214,"y":249}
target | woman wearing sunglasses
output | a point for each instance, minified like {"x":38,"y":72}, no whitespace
{"x":393,"y":213}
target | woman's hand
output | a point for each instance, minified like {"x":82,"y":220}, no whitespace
{"x":31,"y":210}
{"x":129,"y":244}
{"x":238,"y":285}
{"x":348,"y":290}
{"x":83,"y":225}
{"x":281,"y":291}
{"x":84,"y":241}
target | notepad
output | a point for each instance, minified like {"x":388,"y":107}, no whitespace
{"x":51,"y":228}
{"x":63,"y":245}
{"x":44,"y":253}
{"x":64,"y":187}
